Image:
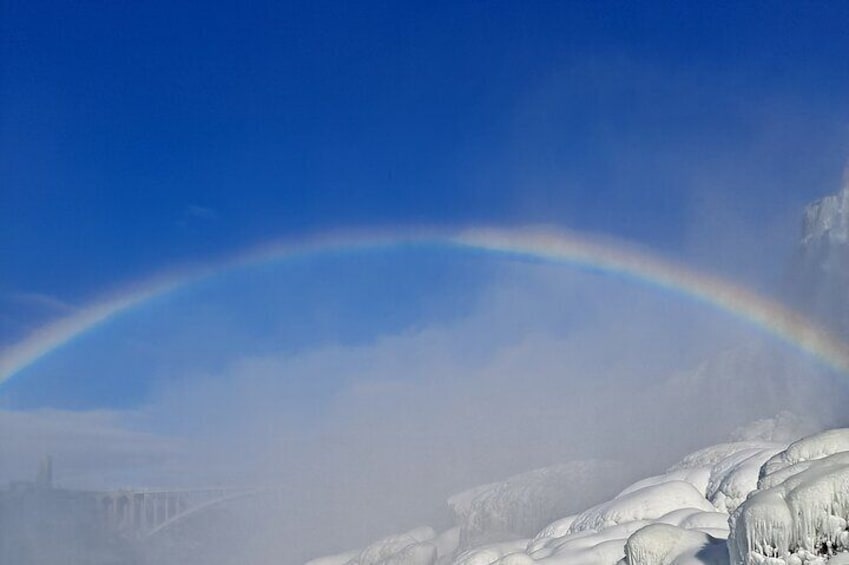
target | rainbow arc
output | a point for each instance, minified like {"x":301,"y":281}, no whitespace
{"x":556,"y":247}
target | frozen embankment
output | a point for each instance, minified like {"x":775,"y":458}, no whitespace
{"x":740,"y":503}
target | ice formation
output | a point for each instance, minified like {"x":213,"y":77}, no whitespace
{"x":416,"y":547}
{"x":663,"y":544}
{"x":828,"y":218}
{"x":647,"y":503}
{"x":799,"y":514}
{"x":738,"y":503}
{"x":521,"y":505}
{"x":822,"y":263}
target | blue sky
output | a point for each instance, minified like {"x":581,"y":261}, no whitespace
{"x":136,"y":138}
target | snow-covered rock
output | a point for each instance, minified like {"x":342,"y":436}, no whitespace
{"x":736,"y":476}
{"x":606,"y":546}
{"x":799,"y":516}
{"x":648,"y":503}
{"x":492,"y":553}
{"x":523,"y":504}
{"x":808,"y":449}
{"x":662,"y":544}
{"x":410,"y":548}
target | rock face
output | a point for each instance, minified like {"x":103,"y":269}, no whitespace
{"x":820,"y":276}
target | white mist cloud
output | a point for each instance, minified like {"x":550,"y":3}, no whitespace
{"x":90,"y":449}
{"x":370,"y":439}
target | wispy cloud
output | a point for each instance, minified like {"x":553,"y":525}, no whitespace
{"x":91,"y":449}
{"x":201,"y":212}
{"x":46,"y":302}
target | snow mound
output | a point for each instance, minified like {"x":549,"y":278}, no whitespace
{"x":699,"y":477}
{"x":810,"y":448}
{"x":714,"y":454}
{"x":411,"y":548}
{"x":556,"y":529}
{"x":588,"y":547}
{"x":663,"y":544}
{"x":648,"y":503}
{"x":493,"y":553}
{"x":800,"y":514}
{"x":339,"y":559}
{"x":733,"y":478}
{"x":523,"y":504}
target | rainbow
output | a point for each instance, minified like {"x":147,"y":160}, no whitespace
{"x":556,"y":247}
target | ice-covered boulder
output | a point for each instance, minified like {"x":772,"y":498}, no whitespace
{"x":710,"y":456}
{"x":589,"y":547}
{"x":663,"y":544}
{"x":677,"y":502}
{"x":733,"y":478}
{"x":799,"y":516}
{"x":808,"y":449}
{"x":648,"y":503}
{"x":699,"y":477}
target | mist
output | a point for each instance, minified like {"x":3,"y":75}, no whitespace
{"x":352,"y":442}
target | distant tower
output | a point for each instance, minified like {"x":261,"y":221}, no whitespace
{"x":45,"y":473}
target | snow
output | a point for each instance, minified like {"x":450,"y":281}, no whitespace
{"x":523,"y":504}
{"x":800,"y":513}
{"x":663,"y":544}
{"x":490,"y":553}
{"x":738,"y":503}
{"x":589,"y":546}
{"x":556,"y":529}
{"x":410,"y":548}
{"x":447,"y":542}
{"x":809,"y":449}
{"x":733,"y":478}
{"x":699,"y":477}
{"x":647,"y":503}
{"x":340,"y":559}
{"x":827,"y":218}
{"x":714,"y":454}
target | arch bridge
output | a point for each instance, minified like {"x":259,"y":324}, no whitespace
{"x":141,"y":513}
